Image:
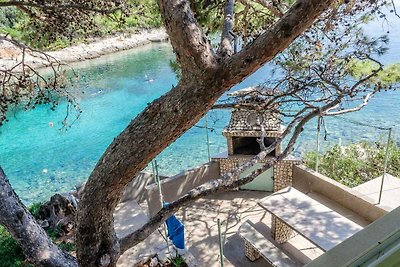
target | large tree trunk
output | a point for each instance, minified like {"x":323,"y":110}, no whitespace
{"x":36,"y":245}
{"x":152,"y":131}
{"x":204,"y":79}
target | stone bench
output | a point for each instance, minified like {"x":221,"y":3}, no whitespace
{"x":256,"y":246}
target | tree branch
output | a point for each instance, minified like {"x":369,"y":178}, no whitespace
{"x":22,"y":82}
{"x":59,"y":7}
{"x":190,"y":45}
{"x":357,"y":108}
{"x":274,"y":10}
{"x":222,"y":184}
{"x":394,"y":9}
{"x":298,"y":18}
{"x":225,"y":47}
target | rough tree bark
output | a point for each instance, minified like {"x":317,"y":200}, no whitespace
{"x":36,"y":245}
{"x":225,"y":47}
{"x":205,"y":78}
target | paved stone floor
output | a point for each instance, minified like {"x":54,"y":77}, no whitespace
{"x":390,"y":198}
{"x":201,"y":231}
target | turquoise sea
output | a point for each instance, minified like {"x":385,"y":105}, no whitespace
{"x":40,"y":159}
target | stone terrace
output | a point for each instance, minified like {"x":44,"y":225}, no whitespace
{"x":201,"y":231}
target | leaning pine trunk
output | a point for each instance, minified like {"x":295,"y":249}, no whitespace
{"x":204,"y":79}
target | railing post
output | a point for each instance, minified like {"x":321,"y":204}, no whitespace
{"x":318,"y":136}
{"x":221,"y":245}
{"x":385,"y":164}
{"x":208,"y":140}
{"x":157,"y":180}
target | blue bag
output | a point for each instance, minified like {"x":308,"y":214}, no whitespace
{"x":176,"y":231}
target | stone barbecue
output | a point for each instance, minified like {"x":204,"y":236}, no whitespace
{"x":249,"y":124}
{"x":244,"y":131}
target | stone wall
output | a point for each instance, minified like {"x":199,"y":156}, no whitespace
{"x":176,"y":186}
{"x":283,"y":177}
{"x":245,"y":120}
{"x":307,"y":180}
{"x":283,"y":174}
{"x":136,"y":189}
{"x":229,"y":164}
{"x":143,"y":188}
{"x":280,"y":231}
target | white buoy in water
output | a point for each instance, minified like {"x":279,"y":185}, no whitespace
{"x":45,"y":171}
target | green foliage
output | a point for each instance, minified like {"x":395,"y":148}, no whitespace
{"x":144,"y":14}
{"x":357,"y":163}
{"x":10,"y":253}
{"x":178,"y":261}
{"x":12,"y":22}
{"x":9,"y":17}
{"x":251,"y":18}
{"x":19,"y":26}
{"x":67,"y":246}
{"x":34,"y":209}
{"x":389,"y":75}
{"x":54,"y":233}
{"x":141,"y":14}
{"x":176,"y":68}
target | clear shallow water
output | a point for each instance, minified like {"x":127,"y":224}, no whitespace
{"x":41,"y":160}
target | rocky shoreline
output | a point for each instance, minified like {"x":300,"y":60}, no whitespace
{"x":10,"y":54}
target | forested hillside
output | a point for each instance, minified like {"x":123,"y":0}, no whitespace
{"x":23,"y":25}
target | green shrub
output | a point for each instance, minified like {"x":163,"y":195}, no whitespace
{"x":143,"y":14}
{"x":54,"y":233}
{"x":67,"y":246}
{"x":10,"y":253}
{"x":356,"y":163}
{"x":178,"y":261}
{"x":34,"y":209}
{"x":9,"y":17}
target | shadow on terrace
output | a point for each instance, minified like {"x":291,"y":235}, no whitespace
{"x":233,"y":209}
